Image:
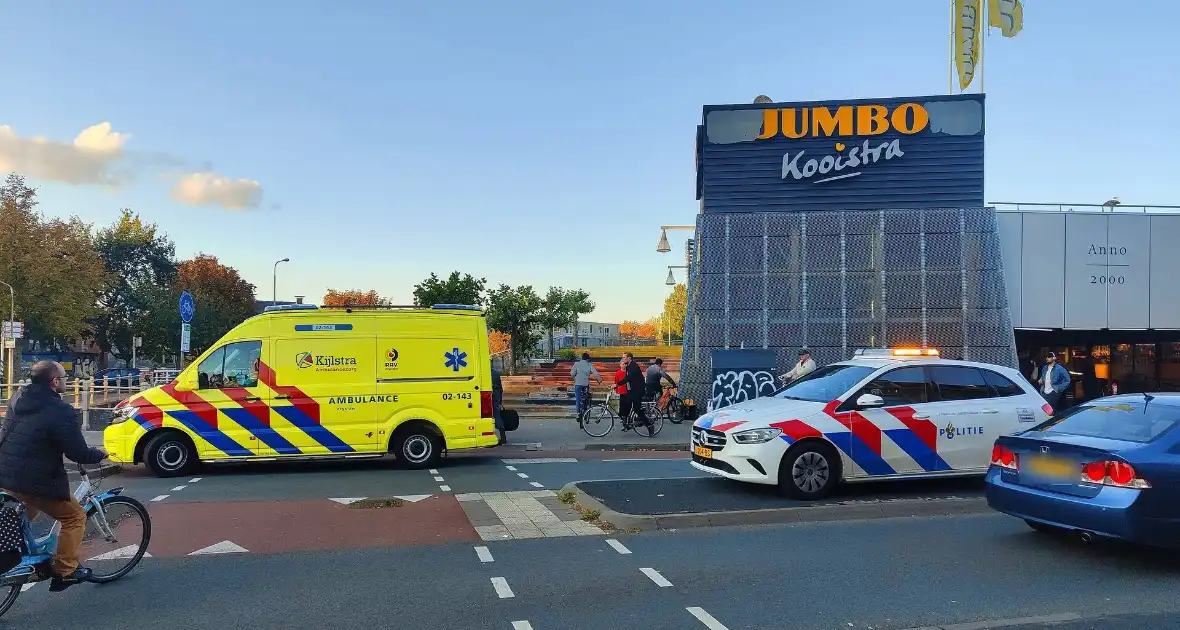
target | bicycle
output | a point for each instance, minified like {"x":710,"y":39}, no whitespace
{"x":672,"y":405}
{"x":99,"y":542}
{"x":602,"y":416}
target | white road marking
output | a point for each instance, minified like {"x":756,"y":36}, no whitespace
{"x":25,"y":587}
{"x":655,"y":576}
{"x":412,"y":498}
{"x":541,"y":460}
{"x":346,"y":500}
{"x":484,"y":554}
{"x":522,"y":475}
{"x":437,"y":478}
{"x":521,"y":625}
{"x":159,"y":498}
{"x":433,"y":471}
{"x":194,"y":480}
{"x":617,"y":546}
{"x":179,"y":488}
{"x":224,"y":546}
{"x":512,"y":468}
{"x":445,"y":488}
{"x":502,"y":588}
{"x":121,"y":553}
{"x":536,"y":484}
{"x":710,"y":622}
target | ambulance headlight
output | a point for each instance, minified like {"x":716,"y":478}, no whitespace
{"x":123,"y":414}
{"x":756,"y":436}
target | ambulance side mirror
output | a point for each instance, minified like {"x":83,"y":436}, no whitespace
{"x":869,"y":401}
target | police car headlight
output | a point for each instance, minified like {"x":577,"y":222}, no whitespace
{"x":756,"y":436}
{"x":123,"y":414}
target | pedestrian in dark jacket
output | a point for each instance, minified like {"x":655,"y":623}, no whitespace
{"x":633,"y":399}
{"x":38,"y":431}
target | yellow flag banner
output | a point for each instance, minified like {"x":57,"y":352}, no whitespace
{"x":1006,"y":15}
{"x":968,"y":26}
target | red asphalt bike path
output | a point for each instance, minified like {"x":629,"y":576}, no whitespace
{"x":179,"y":529}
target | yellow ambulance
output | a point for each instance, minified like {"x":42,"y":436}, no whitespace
{"x":301,"y":381}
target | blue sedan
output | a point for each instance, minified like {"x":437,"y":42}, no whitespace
{"x":1107,"y":468}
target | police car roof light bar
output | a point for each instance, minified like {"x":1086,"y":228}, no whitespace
{"x":896,"y":352}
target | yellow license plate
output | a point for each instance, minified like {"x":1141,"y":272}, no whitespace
{"x":702,"y":451}
{"x":1053,"y":467}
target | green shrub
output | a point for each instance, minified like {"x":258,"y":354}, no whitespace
{"x":567,"y":354}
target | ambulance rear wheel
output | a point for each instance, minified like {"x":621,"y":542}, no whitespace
{"x":810,"y":470}
{"x":170,"y":454}
{"x":417,"y":447}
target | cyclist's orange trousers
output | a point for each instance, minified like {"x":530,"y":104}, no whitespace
{"x":73,"y":527}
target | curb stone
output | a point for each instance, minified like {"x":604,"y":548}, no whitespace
{"x":848,"y":511}
{"x":636,"y":447}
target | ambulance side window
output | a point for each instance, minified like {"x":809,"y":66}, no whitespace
{"x":210,"y":372}
{"x":241,"y":364}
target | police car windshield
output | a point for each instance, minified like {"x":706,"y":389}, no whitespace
{"x":825,"y":384}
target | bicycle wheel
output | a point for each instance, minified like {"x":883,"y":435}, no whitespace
{"x":9,"y":598}
{"x":598,"y":420}
{"x":675,"y":410}
{"x":130,"y":528}
{"x":652,"y":428}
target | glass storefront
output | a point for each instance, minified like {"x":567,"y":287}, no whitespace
{"x":1099,"y":361}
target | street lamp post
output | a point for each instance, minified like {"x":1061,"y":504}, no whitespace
{"x":274,"y":296}
{"x":671,"y":281}
{"x":663,"y":247}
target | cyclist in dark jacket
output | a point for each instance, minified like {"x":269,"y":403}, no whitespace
{"x":38,"y":431}
{"x":633,"y":399}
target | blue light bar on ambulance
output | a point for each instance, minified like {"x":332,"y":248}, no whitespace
{"x":290,"y":307}
{"x":455,"y":307}
{"x":896,"y":352}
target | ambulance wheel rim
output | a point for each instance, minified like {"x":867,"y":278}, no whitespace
{"x":172,"y":456}
{"x":417,"y":448}
{"x":811,"y":471}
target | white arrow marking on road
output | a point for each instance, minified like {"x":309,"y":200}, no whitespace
{"x":119,"y":554}
{"x":194,"y":480}
{"x":224,"y":546}
{"x":536,"y":485}
{"x":485,"y":555}
{"x":655,"y":576}
{"x":502,"y":588}
{"x":413,"y":498}
{"x":347,"y":500}
{"x":178,"y":488}
{"x":710,"y":622}
{"x":521,"y":625}
{"x":445,"y":488}
{"x":617,"y":546}
{"x":437,"y":478}
{"x":159,"y":498}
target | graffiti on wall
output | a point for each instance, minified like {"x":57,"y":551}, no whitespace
{"x":737,"y":386}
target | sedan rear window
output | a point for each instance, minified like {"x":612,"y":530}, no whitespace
{"x":825,"y":384}
{"x":1129,"y":421}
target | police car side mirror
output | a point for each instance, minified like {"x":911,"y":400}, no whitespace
{"x":869,"y":401}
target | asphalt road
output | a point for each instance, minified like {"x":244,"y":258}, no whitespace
{"x":887,"y":574}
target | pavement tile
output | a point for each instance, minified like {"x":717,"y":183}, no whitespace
{"x":493,"y":532}
{"x":525,"y":531}
{"x":555,"y":531}
{"x":468,"y":496}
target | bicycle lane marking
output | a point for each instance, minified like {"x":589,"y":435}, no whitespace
{"x":180,"y":528}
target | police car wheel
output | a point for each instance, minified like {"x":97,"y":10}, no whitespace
{"x":418,"y":448}
{"x":170,"y":454}
{"x":809,"y":471}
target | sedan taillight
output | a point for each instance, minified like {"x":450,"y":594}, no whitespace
{"x":1003,"y":457}
{"x":1112,"y":473}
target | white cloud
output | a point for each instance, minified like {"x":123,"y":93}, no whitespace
{"x":91,"y":159}
{"x":208,"y":188}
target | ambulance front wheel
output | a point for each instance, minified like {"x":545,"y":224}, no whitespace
{"x":170,"y":454}
{"x":417,"y":447}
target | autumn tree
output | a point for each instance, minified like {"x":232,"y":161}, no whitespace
{"x":456,"y":289}
{"x":498,"y":342}
{"x":640,"y":330}
{"x":354,"y":297}
{"x":139,"y":260}
{"x":51,"y":264}
{"x":222,"y":297}
{"x":515,"y":312}
{"x":676,"y":311}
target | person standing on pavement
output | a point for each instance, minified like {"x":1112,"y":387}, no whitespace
{"x":634,"y":384}
{"x":804,"y":367}
{"x":1053,"y":380}
{"x":581,"y":373}
{"x":497,"y":401}
{"x":39,"y":431}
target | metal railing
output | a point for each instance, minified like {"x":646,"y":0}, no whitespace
{"x":1014,"y":206}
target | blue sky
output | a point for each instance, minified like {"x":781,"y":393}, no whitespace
{"x":536,"y":142}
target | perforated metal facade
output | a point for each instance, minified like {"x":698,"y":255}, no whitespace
{"x":839,"y":280}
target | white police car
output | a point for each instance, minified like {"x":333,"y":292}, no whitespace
{"x":886,"y":414}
